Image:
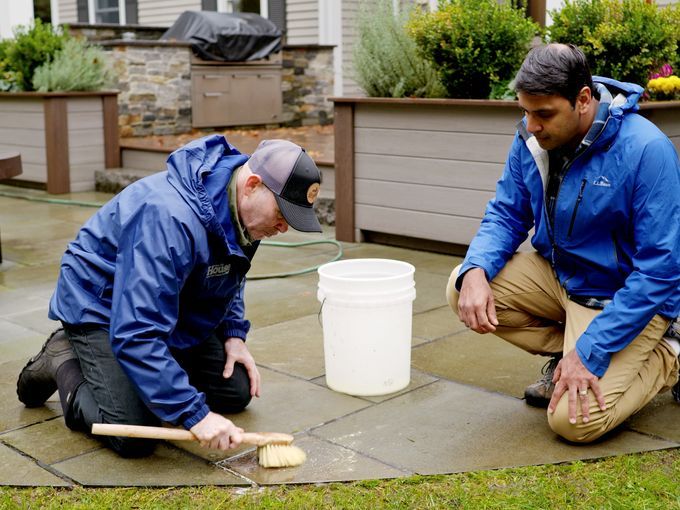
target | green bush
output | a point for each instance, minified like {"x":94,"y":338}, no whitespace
{"x":8,"y":78}
{"x":386,"y":60}
{"x":622,"y":39}
{"x":671,"y":15}
{"x":32,"y":46}
{"x":476,"y":45}
{"x":77,"y":66}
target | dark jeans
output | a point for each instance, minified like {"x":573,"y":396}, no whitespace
{"x":108,"y":396}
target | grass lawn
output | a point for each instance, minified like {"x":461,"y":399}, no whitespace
{"x":631,"y":482}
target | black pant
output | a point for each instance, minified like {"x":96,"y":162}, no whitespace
{"x":108,"y":396}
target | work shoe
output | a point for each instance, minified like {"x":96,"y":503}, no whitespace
{"x":38,"y":380}
{"x":540,"y":393}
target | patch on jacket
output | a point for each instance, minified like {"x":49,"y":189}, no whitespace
{"x":602,"y":181}
{"x":218,"y":270}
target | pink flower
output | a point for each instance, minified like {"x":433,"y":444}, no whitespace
{"x":665,"y":71}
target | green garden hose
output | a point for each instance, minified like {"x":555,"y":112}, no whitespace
{"x":61,"y":201}
{"x":295,"y":245}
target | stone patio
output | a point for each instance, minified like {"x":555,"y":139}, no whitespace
{"x":462,"y":411}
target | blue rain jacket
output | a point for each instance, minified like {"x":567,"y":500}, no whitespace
{"x":160,"y":267}
{"x":616,"y":227}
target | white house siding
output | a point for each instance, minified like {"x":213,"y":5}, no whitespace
{"x":302,"y":21}
{"x":349,"y":36}
{"x":163,"y":13}
{"x":68,"y":12}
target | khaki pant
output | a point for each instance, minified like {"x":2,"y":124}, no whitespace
{"x":535,"y":314}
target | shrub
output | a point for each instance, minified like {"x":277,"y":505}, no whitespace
{"x":475,"y":45}
{"x":622,"y":39}
{"x":8,"y":78}
{"x":386,"y":59}
{"x":672,"y":15}
{"x":32,"y":46}
{"x":76,"y":67}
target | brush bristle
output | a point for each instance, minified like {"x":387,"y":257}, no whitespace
{"x":279,"y":455}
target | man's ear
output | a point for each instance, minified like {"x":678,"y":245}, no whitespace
{"x":583,"y":99}
{"x":252,"y":182}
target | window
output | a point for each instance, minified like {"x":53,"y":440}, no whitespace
{"x":256,"y":6}
{"x":107,"y":11}
{"x":120,"y":12}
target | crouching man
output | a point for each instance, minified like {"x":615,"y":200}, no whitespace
{"x":601,"y":187}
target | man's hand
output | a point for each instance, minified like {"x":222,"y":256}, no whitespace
{"x":572,"y":376}
{"x":215,"y":431}
{"x":238,"y":352}
{"x":476,"y":307}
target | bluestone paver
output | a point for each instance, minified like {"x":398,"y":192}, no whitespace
{"x":17,"y":469}
{"x":294,"y":347}
{"x":435,"y":324}
{"x":661,"y":418}
{"x":168,"y":466}
{"x":63,"y":443}
{"x":326,"y":462}
{"x":447,"y":427}
{"x":484,"y":361}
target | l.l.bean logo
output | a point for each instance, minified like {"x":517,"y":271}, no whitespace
{"x":312,"y":192}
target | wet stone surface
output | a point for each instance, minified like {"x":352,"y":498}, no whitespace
{"x":461,"y":411}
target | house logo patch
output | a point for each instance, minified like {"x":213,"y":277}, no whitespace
{"x":602,"y":181}
{"x":218,"y":270}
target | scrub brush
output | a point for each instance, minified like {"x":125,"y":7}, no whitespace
{"x":274,"y":449}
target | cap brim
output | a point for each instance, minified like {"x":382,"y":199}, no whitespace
{"x":299,"y":217}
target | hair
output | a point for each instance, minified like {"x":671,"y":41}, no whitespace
{"x":555,"y":69}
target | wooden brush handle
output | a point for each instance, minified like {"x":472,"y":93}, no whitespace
{"x":254,"y":438}
{"x":265,"y":438}
{"x":110,"y":429}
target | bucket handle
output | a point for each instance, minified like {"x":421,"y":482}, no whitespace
{"x":318,"y":315}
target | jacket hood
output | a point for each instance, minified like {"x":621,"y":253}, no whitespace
{"x":616,"y":100}
{"x":625,"y":95}
{"x":186,"y":169}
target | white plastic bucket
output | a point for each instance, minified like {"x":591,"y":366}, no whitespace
{"x":367,"y":308}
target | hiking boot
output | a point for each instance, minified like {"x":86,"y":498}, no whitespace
{"x":540,"y":393}
{"x":38,"y":380}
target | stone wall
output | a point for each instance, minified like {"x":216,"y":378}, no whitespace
{"x":154,"y":80}
{"x":307,"y":83}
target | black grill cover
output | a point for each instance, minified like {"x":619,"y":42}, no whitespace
{"x":226,"y":37}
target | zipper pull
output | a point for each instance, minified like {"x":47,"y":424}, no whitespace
{"x":552,"y":255}
{"x":578,"y":202}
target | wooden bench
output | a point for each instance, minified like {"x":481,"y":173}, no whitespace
{"x":10,"y":166}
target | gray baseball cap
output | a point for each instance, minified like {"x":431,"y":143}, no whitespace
{"x":288,"y":172}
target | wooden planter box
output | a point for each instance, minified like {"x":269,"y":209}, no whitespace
{"x":426,"y":168}
{"x":63,"y":137}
